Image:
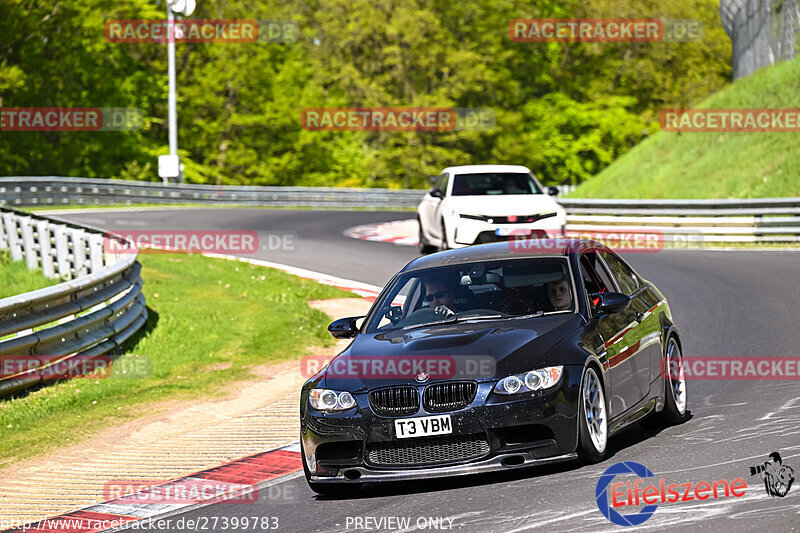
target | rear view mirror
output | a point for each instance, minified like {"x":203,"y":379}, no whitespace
{"x":344,"y":328}
{"x":436,"y":193}
{"x":552,"y":191}
{"x":611,"y":302}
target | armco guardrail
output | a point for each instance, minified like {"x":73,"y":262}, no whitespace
{"x":95,"y":310}
{"x":713,"y":221}
{"x":50,"y":190}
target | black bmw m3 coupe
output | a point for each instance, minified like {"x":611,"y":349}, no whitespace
{"x":485,"y":358}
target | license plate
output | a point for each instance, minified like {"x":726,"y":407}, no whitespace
{"x":423,"y":427}
{"x":505,"y":232}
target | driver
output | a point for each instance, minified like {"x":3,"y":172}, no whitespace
{"x":510,"y":186}
{"x":558,"y":294}
{"x":439,"y":295}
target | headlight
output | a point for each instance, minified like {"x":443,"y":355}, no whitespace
{"x":330,"y":400}
{"x":543,"y":378}
{"x":509,"y":385}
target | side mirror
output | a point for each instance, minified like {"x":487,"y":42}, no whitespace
{"x":436,"y":193}
{"x":611,"y":302}
{"x":344,"y":328}
{"x":552,"y":191}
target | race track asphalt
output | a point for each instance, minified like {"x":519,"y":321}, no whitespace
{"x":726,"y":303}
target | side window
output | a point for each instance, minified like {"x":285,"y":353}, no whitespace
{"x":595,"y":276}
{"x":441,"y":183}
{"x":406,"y":299}
{"x":625,"y":276}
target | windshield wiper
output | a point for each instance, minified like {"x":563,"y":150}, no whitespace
{"x":530,"y":315}
{"x":540,"y":313}
{"x":453,"y":320}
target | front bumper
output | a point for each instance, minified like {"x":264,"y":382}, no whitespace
{"x":468,"y":232}
{"x":529,"y":429}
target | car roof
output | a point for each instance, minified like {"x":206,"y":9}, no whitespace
{"x":560,"y":247}
{"x":482,"y":169}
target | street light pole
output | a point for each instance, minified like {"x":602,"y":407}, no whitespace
{"x":169,"y":166}
{"x":172,"y":100}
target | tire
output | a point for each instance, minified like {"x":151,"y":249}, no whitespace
{"x":674,"y":412}
{"x":332,"y":489}
{"x":444,"y":246}
{"x":423,"y":247}
{"x":675,"y":404}
{"x":592,"y":437}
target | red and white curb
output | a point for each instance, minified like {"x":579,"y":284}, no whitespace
{"x":241,"y":477}
{"x":365,"y":290}
{"x":395,"y":232}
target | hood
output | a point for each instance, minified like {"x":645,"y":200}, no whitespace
{"x":480,"y":350}
{"x":502,"y":204}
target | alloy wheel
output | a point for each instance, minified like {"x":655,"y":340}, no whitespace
{"x":677,"y":380}
{"x":594,"y":409}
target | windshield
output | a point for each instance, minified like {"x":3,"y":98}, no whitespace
{"x":474,"y":291}
{"x":494,"y":183}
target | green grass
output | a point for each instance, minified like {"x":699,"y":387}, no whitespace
{"x":714,"y":165}
{"x":15,"y":278}
{"x":202,"y":312}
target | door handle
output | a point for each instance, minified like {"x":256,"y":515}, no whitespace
{"x":639,"y":317}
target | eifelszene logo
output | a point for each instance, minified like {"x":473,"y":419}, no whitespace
{"x":606,"y":506}
{"x":778,"y":477}
{"x":633,"y":493}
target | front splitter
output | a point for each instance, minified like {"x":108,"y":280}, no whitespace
{"x":493,"y":464}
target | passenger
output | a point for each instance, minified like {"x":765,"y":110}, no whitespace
{"x":558,"y":294}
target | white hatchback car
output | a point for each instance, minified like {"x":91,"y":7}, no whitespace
{"x":477,"y":204}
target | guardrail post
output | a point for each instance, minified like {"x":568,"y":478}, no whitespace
{"x":3,"y":236}
{"x":96,"y":251}
{"x":79,"y":252}
{"x":28,"y":243}
{"x":13,"y":237}
{"x":62,"y":252}
{"x":757,"y":222}
{"x":45,"y":250}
